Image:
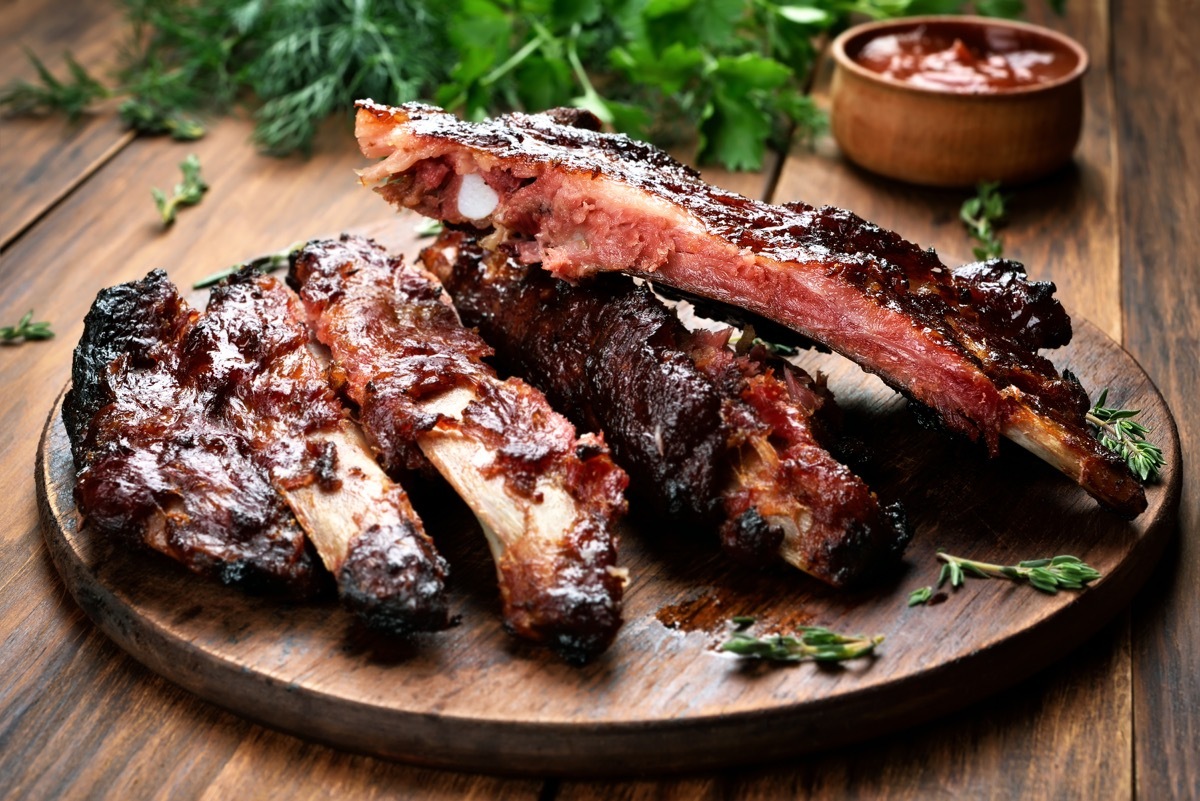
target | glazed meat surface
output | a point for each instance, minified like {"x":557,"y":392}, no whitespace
{"x":251,"y":351}
{"x":152,"y":466}
{"x":548,"y":501}
{"x":962,"y":342}
{"x":707,"y":435}
{"x":216,"y":439}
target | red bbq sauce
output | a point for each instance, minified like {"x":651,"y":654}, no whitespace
{"x":966,"y":58}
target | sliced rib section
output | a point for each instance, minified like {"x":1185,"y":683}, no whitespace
{"x":961,"y":342}
{"x":251,"y":351}
{"x":154,"y":467}
{"x":547,"y":501}
{"x":216,"y":440}
{"x":708,"y":435}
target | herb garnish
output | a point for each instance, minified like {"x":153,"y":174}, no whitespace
{"x":980,"y":215}
{"x":26,"y":330}
{"x":264,"y":264}
{"x":1047,"y":575}
{"x":187,"y":193}
{"x":813,"y":644}
{"x":729,"y":75}
{"x":1120,"y":433}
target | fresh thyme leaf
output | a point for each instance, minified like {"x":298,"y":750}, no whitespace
{"x":1120,"y":433}
{"x":981,"y":214}
{"x":26,"y":330}
{"x":1048,"y":575}
{"x":813,"y":644}
{"x":187,"y":193}
{"x":919,"y":596}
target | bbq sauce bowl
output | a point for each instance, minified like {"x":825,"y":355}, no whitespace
{"x":951,"y":101}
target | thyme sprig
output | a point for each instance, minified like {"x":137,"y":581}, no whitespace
{"x":814,"y":644}
{"x":26,"y":330}
{"x":1048,"y":575}
{"x":187,"y":193}
{"x":264,"y":264}
{"x":981,"y":215}
{"x":1120,"y":433}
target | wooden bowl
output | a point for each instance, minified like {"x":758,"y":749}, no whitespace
{"x":947,"y":138}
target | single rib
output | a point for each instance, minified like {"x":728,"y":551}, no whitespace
{"x":964,"y":343}
{"x":547,"y":501}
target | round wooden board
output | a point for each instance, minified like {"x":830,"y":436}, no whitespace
{"x":661,"y":699}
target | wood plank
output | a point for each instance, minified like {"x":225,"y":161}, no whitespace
{"x":984,"y":752}
{"x":44,"y":158}
{"x":77,"y":717}
{"x":1159,"y":125}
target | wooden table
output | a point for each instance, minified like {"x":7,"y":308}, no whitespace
{"x":1118,"y":233}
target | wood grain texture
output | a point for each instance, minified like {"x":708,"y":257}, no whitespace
{"x":659,"y":699}
{"x":43,"y":159}
{"x":985,"y":752}
{"x":1157,"y":61}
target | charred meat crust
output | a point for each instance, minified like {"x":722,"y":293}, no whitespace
{"x":250,"y":353}
{"x":612,"y":360}
{"x":708,"y":434}
{"x":406,"y":357}
{"x":152,"y":466}
{"x":199,"y":435}
{"x":963,"y":342}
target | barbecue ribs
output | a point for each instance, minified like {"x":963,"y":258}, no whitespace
{"x":707,"y":435}
{"x":547,"y":501}
{"x":216,"y":440}
{"x":962,"y":342}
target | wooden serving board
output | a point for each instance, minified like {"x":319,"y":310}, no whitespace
{"x":661,"y":699}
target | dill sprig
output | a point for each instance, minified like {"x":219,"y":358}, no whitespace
{"x":26,"y":330}
{"x":727,"y":75}
{"x":71,"y":97}
{"x":981,"y":215}
{"x":1048,"y":575}
{"x":186,"y":193}
{"x":814,"y":644}
{"x":1119,"y":432}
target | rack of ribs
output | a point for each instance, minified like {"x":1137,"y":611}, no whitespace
{"x":216,"y":440}
{"x":961,"y":342}
{"x":707,"y":435}
{"x":547,"y":501}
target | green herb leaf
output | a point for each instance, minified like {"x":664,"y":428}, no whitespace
{"x":187,"y":193}
{"x":981,"y":214}
{"x":921,"y":595}
{"x":1048,"y":575}
{"x":814,"y":644}
{"x":1119,"y":433}
{"x":26,"y":330}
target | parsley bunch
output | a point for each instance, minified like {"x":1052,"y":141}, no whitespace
{"x":728,"y":74}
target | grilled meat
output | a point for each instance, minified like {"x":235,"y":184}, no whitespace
{"x":251,"y":349}
{"x":154,"y":468}
{"x":961,"y":342}
{"x":215,"y":439}
{"x":707,"y":434}
{"x":546,"y":500}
